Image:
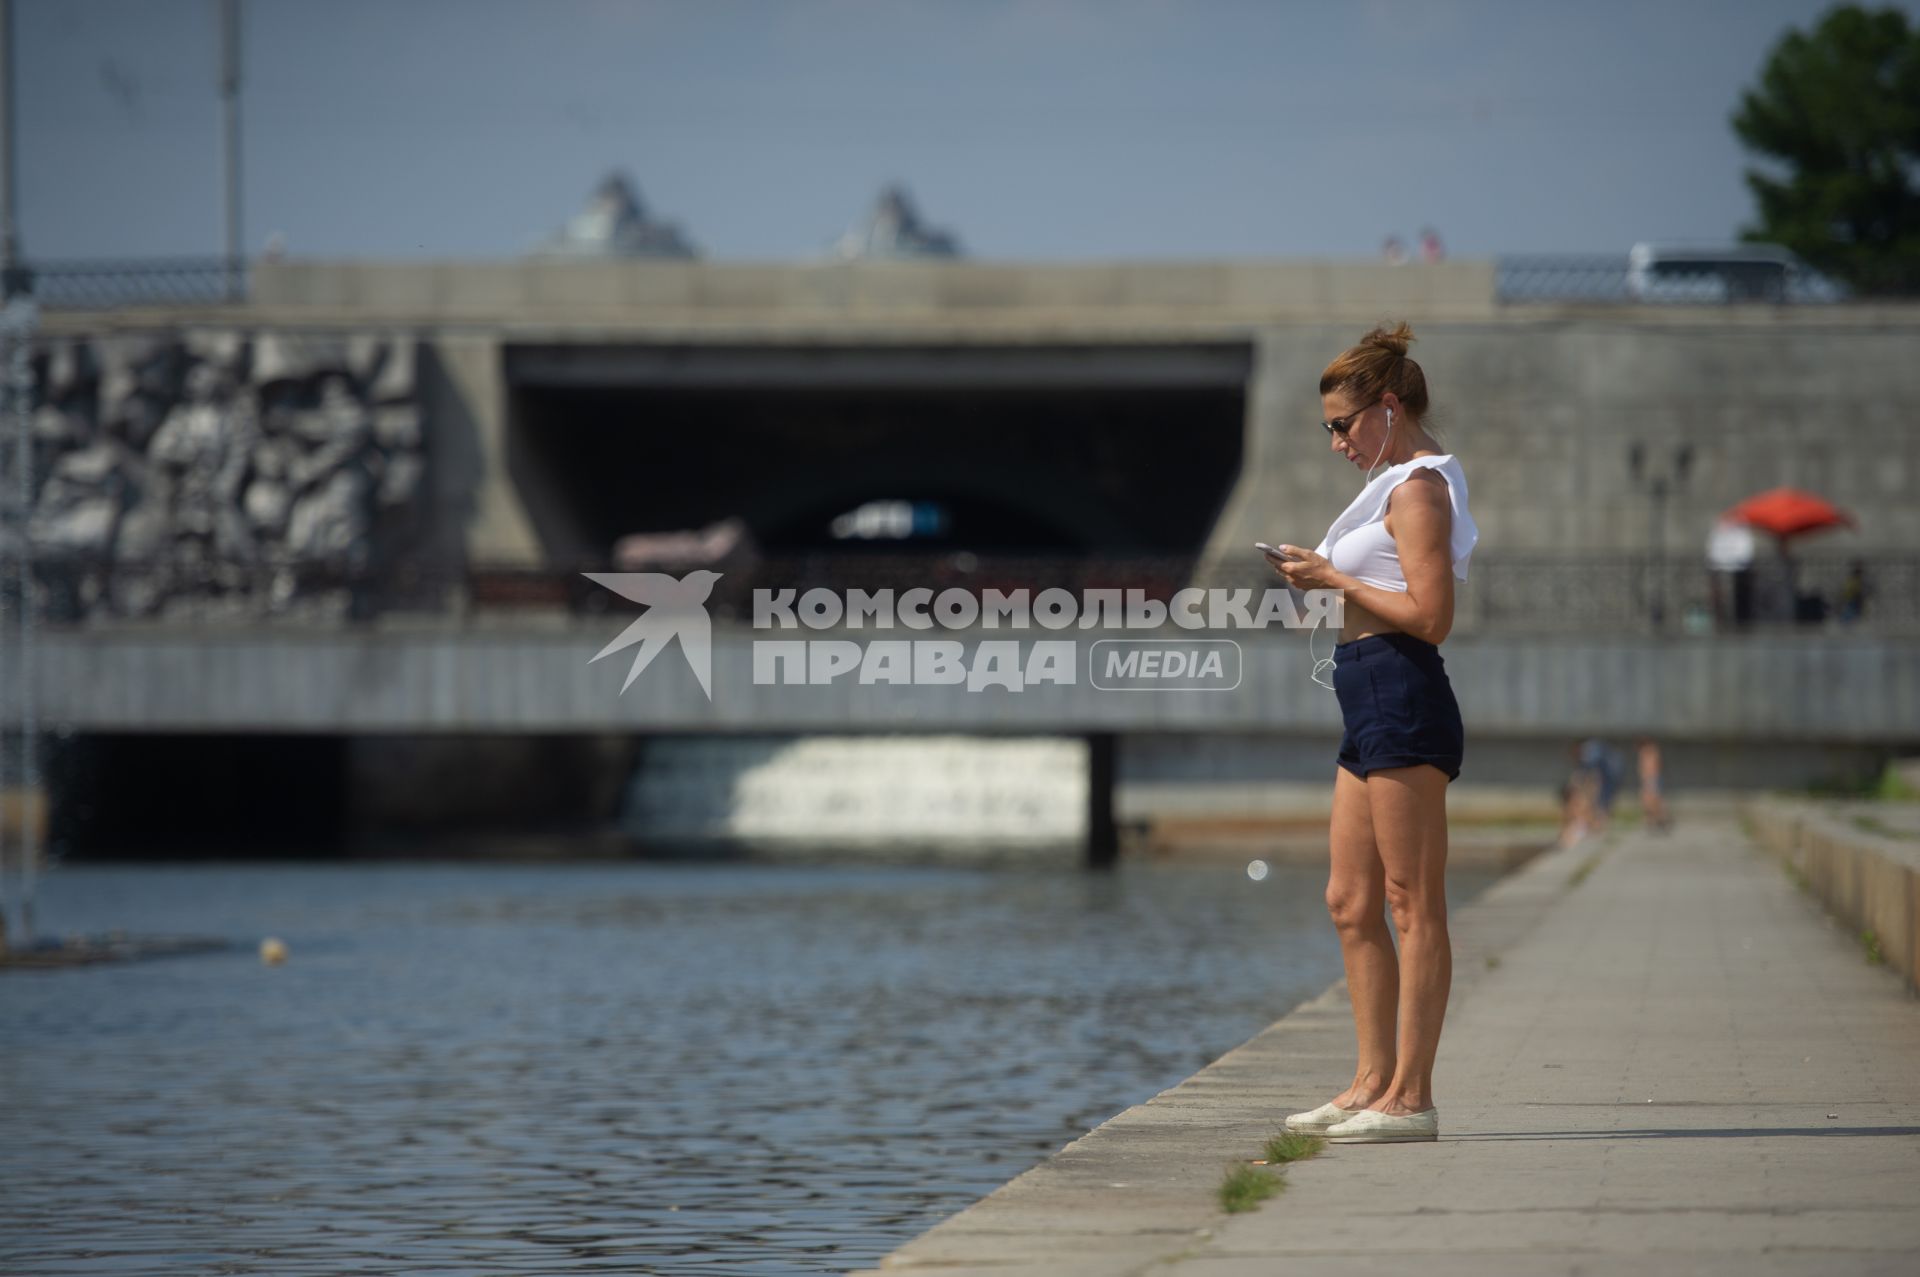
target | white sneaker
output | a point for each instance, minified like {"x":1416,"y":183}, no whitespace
{"x":1320,"y":1119}
{"x":1370,"y":1126}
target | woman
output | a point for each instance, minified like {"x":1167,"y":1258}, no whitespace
{"x":1394,"y":553}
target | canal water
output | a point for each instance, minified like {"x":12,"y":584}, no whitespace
{"x":648,"y":1068}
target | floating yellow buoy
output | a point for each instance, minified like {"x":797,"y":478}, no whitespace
{"x":273,"y":951}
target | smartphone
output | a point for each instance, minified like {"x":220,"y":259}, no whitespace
{"x":1274,"y":551}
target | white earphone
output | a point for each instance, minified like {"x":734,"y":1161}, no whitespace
{"x":1325,"y":663}
{"x":1383,"y":446}
{"x":1322,"y":665}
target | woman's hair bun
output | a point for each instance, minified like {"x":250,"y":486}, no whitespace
{"x":1377,"y":365}
{"x":1393,"y":340}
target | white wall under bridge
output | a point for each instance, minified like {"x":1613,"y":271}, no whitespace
{"x":1788,"y":688}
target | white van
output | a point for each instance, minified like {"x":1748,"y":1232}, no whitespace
{"x":1736,"y":273}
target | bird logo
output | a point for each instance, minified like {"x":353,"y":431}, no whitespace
{"x":675,"y":609}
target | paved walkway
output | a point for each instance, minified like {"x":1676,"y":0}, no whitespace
{"x":1660,"y":1058}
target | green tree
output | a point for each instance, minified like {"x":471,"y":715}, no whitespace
{"x":1839,"y":111}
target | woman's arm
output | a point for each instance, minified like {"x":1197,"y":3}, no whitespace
{"x":1421,"y":521}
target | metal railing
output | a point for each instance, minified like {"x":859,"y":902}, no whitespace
{"x":1617,"y":593}
{"x":1606,"y":278}
{"x":103,"y":284}
{"x":158,"y":281}
{"x":1648,"y":594}
{"x":81,"y":589}
{"x":1561,"y":278}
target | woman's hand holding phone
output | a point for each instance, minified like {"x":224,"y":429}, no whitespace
{"x":1302,"y":569}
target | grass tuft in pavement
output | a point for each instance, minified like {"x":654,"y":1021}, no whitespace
{"x":1291,"y":1146}
{"x":1247,"y":1186}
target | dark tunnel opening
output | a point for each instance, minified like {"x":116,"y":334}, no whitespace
{"x":132,"y":795}
{"x":1085,"y":469}
{"x":272,"y":795}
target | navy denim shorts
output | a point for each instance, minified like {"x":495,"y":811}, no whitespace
{"x":1397,"y":705}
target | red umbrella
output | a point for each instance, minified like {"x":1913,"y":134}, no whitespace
{"x":1788,"y":512}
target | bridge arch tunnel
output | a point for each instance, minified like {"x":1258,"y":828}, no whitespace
{"x":1067,"y":450}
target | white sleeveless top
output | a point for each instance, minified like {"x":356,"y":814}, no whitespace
{"x":1358,"y":544}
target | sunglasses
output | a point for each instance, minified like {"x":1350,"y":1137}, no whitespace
{"x":1340,"y":425}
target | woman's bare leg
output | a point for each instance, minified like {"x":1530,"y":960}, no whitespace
{"x":1409,"y":810}
{"x":1356,"y":898}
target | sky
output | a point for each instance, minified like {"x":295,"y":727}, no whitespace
{"x":1034,"y":129}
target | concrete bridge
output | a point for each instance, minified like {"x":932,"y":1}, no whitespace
{"x":391,"y":728}
{"x":1099,"y":409}
{"x":1075,"y":411}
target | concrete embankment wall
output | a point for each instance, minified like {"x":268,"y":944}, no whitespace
{"x":1862,"y":860}
{"x":1547,"y":408}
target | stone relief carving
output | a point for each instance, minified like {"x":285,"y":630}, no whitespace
{"x":196,"y":467}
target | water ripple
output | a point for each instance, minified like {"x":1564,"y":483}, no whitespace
{"x":720,"y":1069}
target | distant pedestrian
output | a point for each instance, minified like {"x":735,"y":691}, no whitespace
{"x":1579,"y":795}
{"x":1653,"y":804}
{"x":1854,"y":593}
{"x":1604,"y":763}
{"x":1394,"y":250}
{"x":1730,"y":548}
{"x":1430,"y":248}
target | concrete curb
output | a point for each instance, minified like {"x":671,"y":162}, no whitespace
{"x":1142,"y":1186}
{"x":1868,"y":879}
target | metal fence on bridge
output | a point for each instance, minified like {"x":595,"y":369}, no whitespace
{"x":1607,"y":278}
{"x":1595,"y":592}
{"x":104,"y":284}
{"x":1642,"y":593}
{"x":107,"y":284}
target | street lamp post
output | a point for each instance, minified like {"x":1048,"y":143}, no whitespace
{"x":230,"y":151}
{"x":1659,"y":482}
{"x":18,"y":318}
